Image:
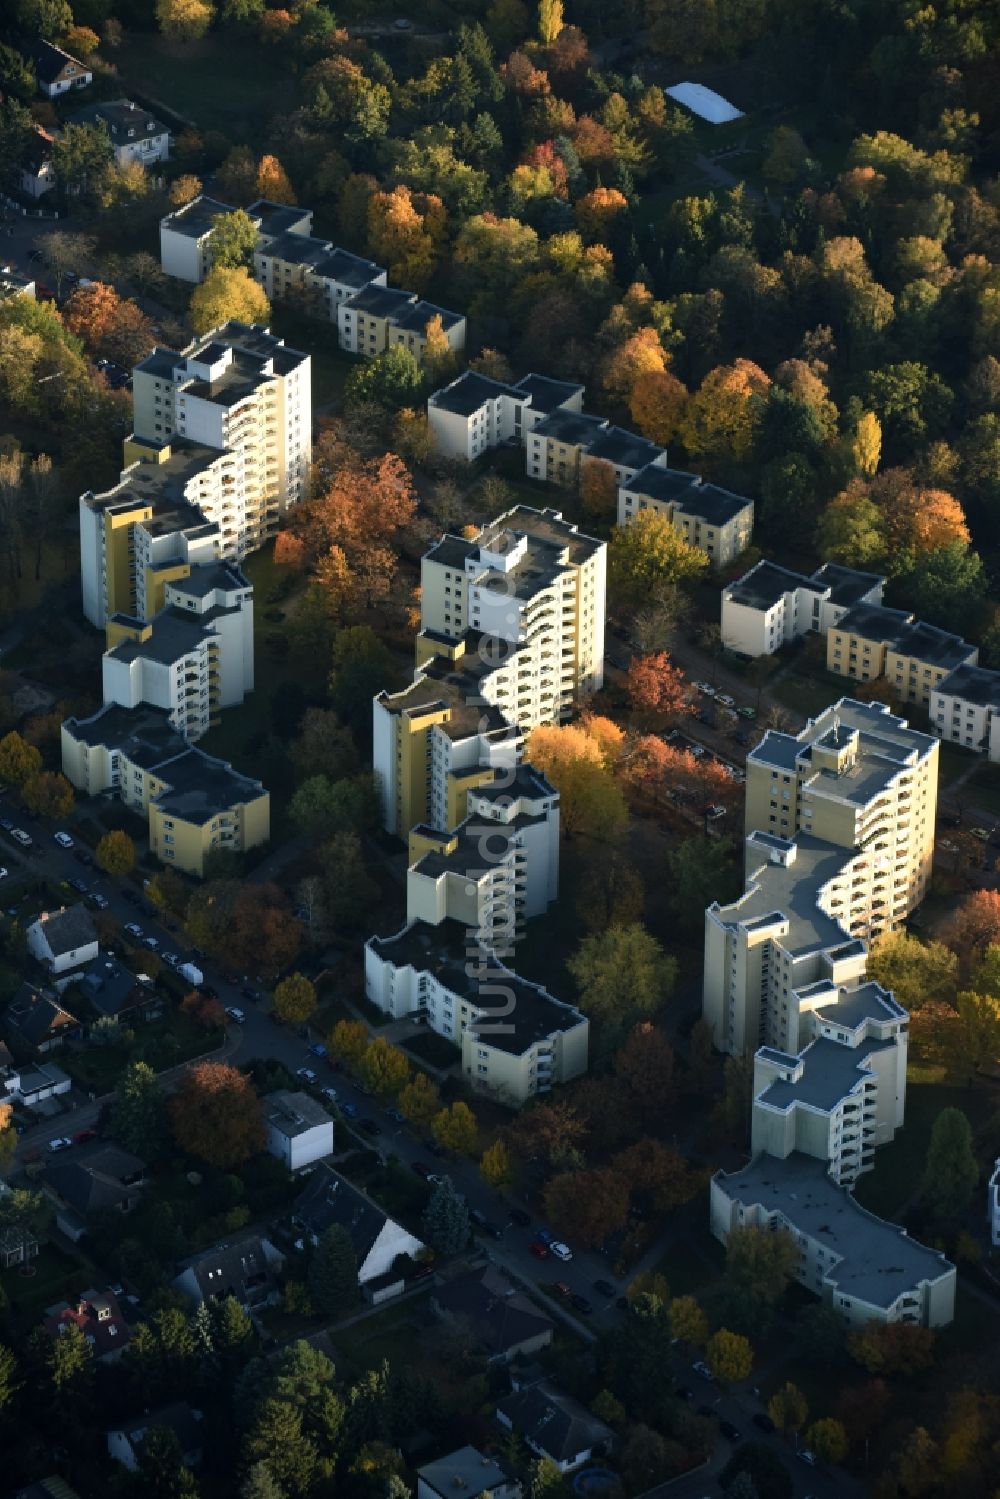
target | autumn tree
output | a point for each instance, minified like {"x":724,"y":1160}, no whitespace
{"x":610,"y":893}
{"x":587,"y":1206}
{"x":233,"y":241}
{"x":597,"y":211}
{"x":228,"y":295}
{"x":729,"y":1356}
{"x":888,"y":1348}
{"x":788,"y":1408}
{"x":109,"y":326}
{"x":656,"y":687}
{"x":295,"y":999}
{"x":383,"y":1068}
{"x":551,"y":1131}
{"x":657,"y":403}
{"x":272,"y":182}
{"x":916,"y":972}
{"x":590,"y":802}
{"x":623,"y":976}
{"x":389,"y":381}
{"x":851,"y":529}
{"x":973,"y":927}
{"x":115,"y":854}
{"x":644,"y":1067}
{"x":598,"y":490}
{"x":215,"y":1114}
{"x":647,"y":554}
{"x":916,"y":518}
{"x":495,"y":1165}
{"x":349,"y":1041}
{"x":19,"y":760}
{"x":688,"y":1321}
{"x":184,"y":190}
{"x":184,"y":20}
{"x":48,"y":794}
{"x":828,"y":1439}
{"x":641,"y":353}
{"x":455,"y":1128}
{"x":721,"y":416}
{"x":656,"y":1173}
{"x":420,"y":1100}
{"x":759,"y":1264}
{"x":405,"y":231}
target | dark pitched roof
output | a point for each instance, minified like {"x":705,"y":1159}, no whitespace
{"x":179,"y":1418}
{"x":100,"y":1177}
{"x":126,"y":121}
{"x":329,"y":1199}
{"x":110,"y":987}
{"x":37,"y":1017}
{"x":231,"y":1269}
{"x":67,"y":930}
{"x":50,"y":61}
{"x":553,"y":1421}
{"x":500,"y":1316}
{"x":98,"y":1316}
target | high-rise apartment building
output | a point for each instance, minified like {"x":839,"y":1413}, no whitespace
{"x":533,"y":582}
{"x":860,"y":778}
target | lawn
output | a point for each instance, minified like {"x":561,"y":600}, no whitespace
{"x":953,"y":762}
{"x":690,"y":1265}
{"x":808,"y":696}
{"x":161,"y":1043}
{"x":394,"y":1334}
{"x":226,"y":82}
{"x":899,"y":1166}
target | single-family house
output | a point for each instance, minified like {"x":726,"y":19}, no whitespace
{"x":16,"y":1246}
{"x":554,"y":1425}
{"x":245,"y":1269}
{"x":112,"y":991}
{"x":467,"y":1472}
{"x":124,"y":1442}
{"x":378,"y":1241}
{"x":135,"y":133}
{"x":98,"y":1177}
{"x":63,"y":940}
{"x":299,"y":1130}
{"x":56,"y":71}
{"x":39,"y":1020}
{"x":98,"y":1316}
{"x":502,"y":1320}
{"x":34,"y":1083}
{"x":38,"y":175}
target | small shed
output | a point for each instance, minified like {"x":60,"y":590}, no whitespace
{"x":704,"y":102}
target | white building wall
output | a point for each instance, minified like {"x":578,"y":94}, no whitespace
{"x":390,"y":1244}
{"x":384,"y":761}
{"x":92,"y":563}
{"x":182,"y":255}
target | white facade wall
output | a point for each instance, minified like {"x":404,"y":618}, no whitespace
{"x":92,"y":563}
{"x":39,"y":948}
{"x":393,"y":1240}
{"x":975,"y":726}
{"x":384,"y":738}
{"x":152,"y":149}
{"x":296,"y":1151}
{"x":182,"y":255}
{"x":993,"y":1205}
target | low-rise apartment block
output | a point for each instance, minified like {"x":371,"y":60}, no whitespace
{"x":186,"y":234}
{"x":867,"y":1269}
{"x":134,"y":132}
{"x":192,"y":802}
{"x":475,"y":414}
{"x":913,"y":657}
{"x":381,"y":317}
{"x":193,"y":658}
{"x":770,"y":606}
{"x":965,"y":709}
{"x":714,"y":519}
{"x":517,"y":1041}
{"x":320,"y":274}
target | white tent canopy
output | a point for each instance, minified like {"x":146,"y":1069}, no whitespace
{"x":704,"y":102}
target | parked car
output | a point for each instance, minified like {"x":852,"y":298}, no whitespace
{"x":80,"y":886}
{"x":538,"y":1249}
{"x":730,"y":1432}
{"x":83,"y":1135}
{"x":253,"y":995}
{"x":350,"y":1109}
{"x":604,"y":1287}
{"x":544,"y":1235}
{"x":318,"y":1049}
{"x":63,"y":840}
{"x":432,"y":1180}
{"x":561,"y":1251}
{"x":152,"y":943}
{"x":236,"y":1014}
{"x":395,"y":1116}
{"x":306,"y":1074}
{"x":809,"y":1458}
{"x":61,"y":1142}
{"x":370,"y":1126}
{"x":330,"y":1094}
{"x":725,"y":699}
{"x":21,"y":837}
{"x":747,"y":712}
{"x":702,"y":1368}
{"x":3,"y":873}
{"x":97,"y":899}
{"x":134,"y":930}
{"x":706,"y":688}
{"x":171,"y":959}
{"x":519,"y":1216}
{"x":763,"y":1421}
{"x":6,"y":824}
{"x":561,"y":1288}
{"x":581,"y":1303}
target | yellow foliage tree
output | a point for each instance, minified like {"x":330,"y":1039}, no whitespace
{"x":184,"y":20}
{"x":273,"y":183}
{"x":722,"y":415}
{"x":641,"y":354}
{"x":228,"y":294}
{"x":295,"y":999}
{"x":590,"y":801}
{"x":647,"y":554}
{"x":550,"y":20}
{"x":403,"y":231}
{"x":495,"y":1165}
{"x":729,"y":1356}
{"x":866,"y":449}
{"x":420,"y":1100}
{"x":657,"y":402}
{"x":384,"y":1068}
{"x":596,"y":211}
{"x":598,"y":490}
{"x":456,"y":1128}
{"x":687,"y":1321}
{"x":349,"y":1041}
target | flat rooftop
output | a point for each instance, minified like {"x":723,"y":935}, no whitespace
{"x":415,"y":318}
{"x":936,"y":647}
{"x":545,"y":393}
{"x":543,"y":526}
{"x":626,"y":449}
{"x":452,"y":686}
{"x":349,"y":269}
{"x":973,"y":684}
{"x":276,"y":218}
{"x":297,"y":249}
{"x":196,"y":218}
{"x":876,"y":1260}
{"x":574,"y":428}
{"x":470,"y":392}
{"x":847,"y":585}
{"x":144,"y":735}
{"x":201,"y":787}
{"x":830,"y":1072}
{"x":776,"y":892}
{"x":380,"y":301}
{"x":886,"y":745}
{"x":162,"y":484}
{"x":443,"y":950}
{"x":764,"y":585}
{"x":874,"y":622}
{"x":294,"y":1113}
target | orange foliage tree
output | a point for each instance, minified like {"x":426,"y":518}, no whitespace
{"x":273,"y":183}
{"x":657,"y":402}
{"x":656,"y":686}
{"x":641,"y":354}
{"x":597,"y":211}
{"x":657,"y":1171}
{"x":721,"y":416}
{"x":216,"y":1115}
{"x":110,"y":326}
{"x":405,"y":230}
{"x":644,"y":1068}
{"x":916,"y":518}
{"x":546,"y":1131}
{"x":974,"y":926}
